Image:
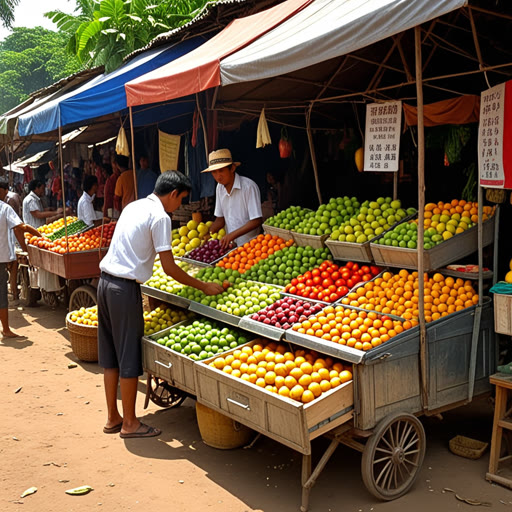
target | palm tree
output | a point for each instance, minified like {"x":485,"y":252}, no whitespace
{"x":7,"y":12}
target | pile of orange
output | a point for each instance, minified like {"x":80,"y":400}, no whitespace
{"x":253,"y":251}
{"x":398,"y":294}
{"x":302,"y":374}
{"x":467,"y":211}
{"x":362,"y":330}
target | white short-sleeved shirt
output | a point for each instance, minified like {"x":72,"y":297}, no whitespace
{"x":239,"y":207}
{"x":85,"y":209}
{"x":32,"y":203}
{"x":142,"y":231}
{"x":8,"y":221}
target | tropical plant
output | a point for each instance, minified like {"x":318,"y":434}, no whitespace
{"x":7,"y":12}
{"x":105,"y":32}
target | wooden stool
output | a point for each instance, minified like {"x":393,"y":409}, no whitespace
{"x":502,"y":420}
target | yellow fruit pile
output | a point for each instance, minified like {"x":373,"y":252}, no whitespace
{"x":85,"y":316}
{"x":48,"y":229}
{"x":397,"y":294}
{"x":162,"y":281}
{"x":161,"y":318}
{"x":302,"y":374}
{"x":191,"y":236}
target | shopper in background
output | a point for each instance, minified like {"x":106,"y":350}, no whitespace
{"x":237,"y":202}
{"x":142,"y":232}
{"x":125,"y":187}
{"x":85,"y":209}
{"x":146,"y":178}
{"x":14,"y":201}
{"x":9,"y":222}
{"x":110,"y":187}
{"x":34,"y":213}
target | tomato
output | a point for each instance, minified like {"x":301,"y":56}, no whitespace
{"x":332,"y":288}
{"x":340,"y":282}
{"x":342,"y":290}
{"x":374,"y":270}
{"x":350,"y":283}
{"x":355,"y":267}
{"x":325,"y":274}
{"x":309,"y":282}
{"x":313,"y":295}
{"x":323,"y":266}
{"x":301,"y":286}
{"x":356,"y":278}
{"x":315,"y":272}
{"x":307,"y":275}
{"x":350,"y":264}
{"x":366,"y":277}
{"x":365,"y":269}
{"x":343,"y":269}
{"x":317,"y":280}
{"x":333,"y":297}
{"x":294,"y":281}
{"x":301,"y":279}
{"x":346,"y":275}
{"x":335,"y":275}
{"x":293,"y":290}
{"x":327,"y":282}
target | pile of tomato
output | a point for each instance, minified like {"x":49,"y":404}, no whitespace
{"x":329,"y":282}
{"x":92,"y":239}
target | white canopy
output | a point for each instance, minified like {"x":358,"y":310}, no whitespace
{"x":326,"y":29}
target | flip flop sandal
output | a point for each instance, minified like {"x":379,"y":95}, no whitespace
{"x":113,"y":430}
{"x":143,"y":431}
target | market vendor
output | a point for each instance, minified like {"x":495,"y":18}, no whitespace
{"x":85,"y":209}
{"x":34,"y":214}
{"x":9,"y":223}
{"x":142,"y":232}
{"x":125,"y":187}
{"x":238,"y":200}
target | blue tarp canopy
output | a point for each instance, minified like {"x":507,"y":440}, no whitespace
{"x":104,"y":94}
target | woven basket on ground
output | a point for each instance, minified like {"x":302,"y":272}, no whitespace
{"x":219,"y":431}
{"x":84,"y":340}
{"x":467,"y":447}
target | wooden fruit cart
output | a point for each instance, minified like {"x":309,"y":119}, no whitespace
{"x":376,"y":413}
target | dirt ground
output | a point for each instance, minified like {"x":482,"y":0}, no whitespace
{"x":51,"y":437}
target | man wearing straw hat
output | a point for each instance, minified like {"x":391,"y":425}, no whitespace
{"x":237,"y":202}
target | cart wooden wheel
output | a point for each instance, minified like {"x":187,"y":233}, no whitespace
{"x":393,"y":455}
{"x":161,"y":393}
{"x":83,"y":297}
{"x":29,"y":296}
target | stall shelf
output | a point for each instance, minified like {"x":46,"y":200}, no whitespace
{"x":170,"y":298}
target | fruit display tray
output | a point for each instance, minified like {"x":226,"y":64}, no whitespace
{"x":289,"y":422}
{"x":285,"y":234}
{"x":314,"y":241}
{"x":191,"y":261}
{"x":73,"y":265}
{"x":268,"y":331}
{"x":210,"y":312}
{"x":170,"y":298}
{"x":447,"y":252}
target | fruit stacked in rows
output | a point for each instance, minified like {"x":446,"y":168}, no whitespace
{"x":282,"y":266}
{"x":85,"y":316}
{"x":243,"y":298}
{"x":161,"y":281}
{"x":48,"y":229}
{"x":289,"y":218}
{"x":208,"y":252}
{"x":92,"y":239}
{"x":328,"y":216}
{"x":362,"y":330}
{"x":202,"y":339}
{"x":72,"y":229}
{"x":329,"y":282}
{"x":186,"y":238}
{"x":253,"y":251}
{"x":372,"y":220}
{"x":224,"y":276}
{"x":398,"y":294}
{"x":162,"y":317}
{"x":300,"y":374}
{"x":286,"y":311}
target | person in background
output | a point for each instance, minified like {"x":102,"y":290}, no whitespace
{"x":110,"y":186}
{"x":9,"y":222}
{"x":142,"y":232}
{"x":33,"y":212}
{"x":100,"y":193}
{"x":237,"y":202}
{"x":14,"y":201}
{"x":125,"y":188}
{"x":85,"y":209}
{"x":57,"y":190}
{"x":146,"y":178}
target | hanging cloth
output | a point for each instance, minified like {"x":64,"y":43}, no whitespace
{"x":122,"y":147}
{"x":195,"y":127}
{"x":262,"y":135}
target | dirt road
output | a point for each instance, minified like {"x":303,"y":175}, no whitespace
{"x":51,"y":437}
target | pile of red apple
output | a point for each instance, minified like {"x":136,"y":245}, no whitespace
{"x":286,"y":311}
{"x":329,"y":282}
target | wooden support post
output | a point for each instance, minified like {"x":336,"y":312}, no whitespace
{"x":312,"y":152}
{"x":63,"y":186}
{"x":134,"y":162}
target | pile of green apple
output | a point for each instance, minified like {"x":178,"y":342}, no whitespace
{"x":203,"y":338}
{"x":328,"y":216}
{"x":284,"y":265}
{"x":373,"y":219}
{"x":406,"y":236}
{"x":161,"y":281}
{"x":289,"y":218}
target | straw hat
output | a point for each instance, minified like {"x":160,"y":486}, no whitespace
{"x":219,"y":159}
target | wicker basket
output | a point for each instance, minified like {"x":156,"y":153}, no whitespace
{"x":219,"y":431}
{"x":467,"y":447}
{"x":84,"y":340}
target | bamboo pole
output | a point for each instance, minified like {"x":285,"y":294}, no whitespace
{"x":62,"y":184}
{"x":312,"y":152}
{"x":421,"y":229}
{"x":477,"y":44}
{"x":134,"y":162}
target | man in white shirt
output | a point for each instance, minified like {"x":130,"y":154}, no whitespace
{"x":85,"y":209}
{"x":9,"y":220}
{"x":238,"y":200}
{"x":142,"y":232}
{"x":34,"y":213}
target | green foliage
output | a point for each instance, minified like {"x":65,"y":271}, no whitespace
{"x":7,"y":11}
{"x":30,"y":59}
{"x":103,"y":33}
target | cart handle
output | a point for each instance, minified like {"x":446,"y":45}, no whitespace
{"x":167,"y":366}
{"x":247,"y":407}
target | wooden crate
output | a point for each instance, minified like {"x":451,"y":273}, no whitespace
{"x":314,"y":241}
{"x":348,"y":251}
{"x":285,"y":234}
{"x":289,"y":422}
{"x":503,"y":314}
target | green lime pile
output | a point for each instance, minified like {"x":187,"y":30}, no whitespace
{"x":162,"y":317}
{"x":203,"y":338}
{"x":328,"y":216}
{"x":284,"y":265}
{"x":406,"y":235}
{"x":373,"y":219}
{"x":289,"y":218}
{"x":219,"y":275}
{"x":161,"y":281}
{"x":243,"y":298}
{"x":73,"y":229}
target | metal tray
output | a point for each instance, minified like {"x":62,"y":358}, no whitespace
{"x":170,"y":298}
{"x":268,"y":331}
{"x":197,"y":307}
{"x":191,"y":261}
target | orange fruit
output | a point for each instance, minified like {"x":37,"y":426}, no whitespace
{"x":306,"y":368}
{"x":290,"y":381}
{"x":325,"y":385}
{"x":296,"y":373}
{"x":284,"y":391}
{"x":305,"y":380}
{"x":270,"y":377}
{"x":296,"y":392}
{"x":279,"y":382}
{"x":307,"y":396}
{"x":335,"y":382}
{"x":315,"y":388}
{"x":261,"y":382}
{"x":345,"y":376}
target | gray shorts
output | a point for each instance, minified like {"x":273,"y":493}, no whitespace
{"x":4,"y":303}
{"x":120,"y":325}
